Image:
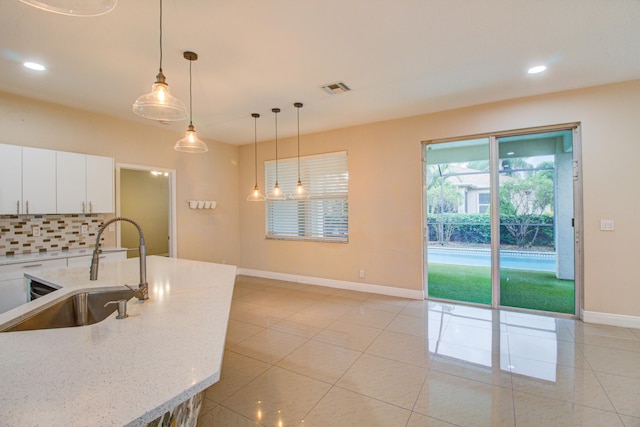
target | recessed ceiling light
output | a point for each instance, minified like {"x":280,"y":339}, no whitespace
{"x":537,"y":69}
{"x":34,"y":66}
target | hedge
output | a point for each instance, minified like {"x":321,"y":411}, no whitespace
{"x":476,"y":229}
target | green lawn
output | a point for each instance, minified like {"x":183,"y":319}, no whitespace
{"x":537,"y":290}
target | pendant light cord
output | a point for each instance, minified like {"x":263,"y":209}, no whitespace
{"x":190,"y":96}
{"x":160,"y":35}
{"x":298,"y":144}
{"x":276,"y":147}
{"x":255,"y":146}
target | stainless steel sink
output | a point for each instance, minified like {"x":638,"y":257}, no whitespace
{"x":80,"y":309}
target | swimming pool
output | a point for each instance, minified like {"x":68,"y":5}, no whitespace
{"x":538,"y":261}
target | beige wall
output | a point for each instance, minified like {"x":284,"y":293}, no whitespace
{"x":385,"y":192}
{"x":209,"y":176}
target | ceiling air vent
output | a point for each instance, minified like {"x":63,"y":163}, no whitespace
{"x":336,"y":88}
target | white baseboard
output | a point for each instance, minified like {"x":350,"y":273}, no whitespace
{"x":621,"y":320}
{"x":338,"y":284}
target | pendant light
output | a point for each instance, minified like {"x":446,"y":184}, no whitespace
{"x":190,"y":143}
{"x":160,"y":104}
{"x":74,"y":7}
{"x":256,"y":195}
{"x":299,"y":193}
{"x":276,"y":193}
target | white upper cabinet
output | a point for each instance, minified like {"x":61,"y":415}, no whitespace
{"x":72,"y":182}
{"x":10,"y":179}
{"x":38,"y":181}
{"x":100,"y":191}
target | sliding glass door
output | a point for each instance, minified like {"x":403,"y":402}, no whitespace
{"x":536,"y":221}
{"x":458,"y":221}
{"x":499,"y":220}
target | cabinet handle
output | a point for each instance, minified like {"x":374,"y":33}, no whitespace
{"x":83,"y":207}
{"x":27,"y":204}
{"x":18,"y":207}
{"x":90,"y":207}
{"x":31,"y":266}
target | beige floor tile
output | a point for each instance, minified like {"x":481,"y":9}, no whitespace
{"x":419,"y":420}
{"x":269,"y":346}
{"x":412,"y":325}
{"x":417,"y":308}
{"x":465,"y":402}
{"x":295,"y":328}
{"x":206,"y":406}
{"x":237,"y":371}
{"x":535,"y":411}
{"x":472,"y":371}
{"x":224,"y":417}
{"x":326,"y":309}
{"x":581,"y":329}
{"x":624,"y":392}
{"x":343,"y":408}
{"x":573,"y":385}
{"x":612,"y":342}
{"x":612,"y":361}
{"x":630,"y":421}
{"x":264,"y":316}
{"x":238,"y":331}
{"x":368,"y":317}
{"x":239,"y":291}
{"x":384,"y":379}
{"x":322,"y":361}
{"x":348,"y":335}
{"x":306,"y":319}
{"x":385,"y":303}
{"x":238,"y":307}
{"x":360,"y":296}
{"x":260,"y":297}
{"x":401,"y":347}
{"x":341,"y":299}
{"x":278,"y":397}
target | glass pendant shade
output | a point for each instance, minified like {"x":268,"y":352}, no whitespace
{"x":74,"y":7}
{"x":276,"y":193}
{"x":255,"y":195}
{"x":300,"y":193}
{"x":160,"y":104}
{"x":191,"y":143}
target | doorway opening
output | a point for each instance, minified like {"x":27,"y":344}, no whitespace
{"x":147,"y":195}
{"x":503,"y":218}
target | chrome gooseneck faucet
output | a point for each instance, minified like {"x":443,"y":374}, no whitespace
{"x":143,"y":288}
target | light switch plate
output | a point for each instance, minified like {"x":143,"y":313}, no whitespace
{"x":606,"y":225}
{"x":35,"y":230}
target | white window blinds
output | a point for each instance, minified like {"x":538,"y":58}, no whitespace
{"x":325,"y":215}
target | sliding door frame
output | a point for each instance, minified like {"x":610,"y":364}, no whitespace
{"x":495,"y":211}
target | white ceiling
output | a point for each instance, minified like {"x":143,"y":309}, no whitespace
{"x":400,"y":57}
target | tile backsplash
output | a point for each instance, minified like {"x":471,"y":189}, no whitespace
{"x":57,"y":232}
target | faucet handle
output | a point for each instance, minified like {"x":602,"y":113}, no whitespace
{"x":136,"y":292}
{"x":122,"y":308}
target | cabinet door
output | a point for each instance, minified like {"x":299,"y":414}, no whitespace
{"x":71,"y":182}
{"x":100,"y":187}
{"x":10,"y":179}
{"x":38,"y":181}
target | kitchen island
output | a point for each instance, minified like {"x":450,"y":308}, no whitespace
{"x":118,"y":372}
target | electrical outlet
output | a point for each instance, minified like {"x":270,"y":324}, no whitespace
{"x":361,"y":274}
{"x":35,"y":230}
{"x":112,"y":227}
{"x":84,"y":229}
{"x":606,"y":224}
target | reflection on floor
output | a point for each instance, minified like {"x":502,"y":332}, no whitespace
{"x":301,"y":355}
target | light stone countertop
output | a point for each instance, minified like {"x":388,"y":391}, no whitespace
{"x":44,"y":256}
{"x":118,"y":372}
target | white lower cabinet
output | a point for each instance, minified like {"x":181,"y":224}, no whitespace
{"x":14,"y":290}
